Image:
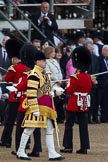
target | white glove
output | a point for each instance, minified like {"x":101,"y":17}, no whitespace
{"x":36,"y":113}
{"x":52,"y":94}
{"x":11,"y":88}
{"x":58,"y":90}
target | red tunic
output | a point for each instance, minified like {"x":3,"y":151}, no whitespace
{"x":22,"y":87}
{"x":14,"y":74}
{"x":45,"y":100}
{"x":80,"y":82}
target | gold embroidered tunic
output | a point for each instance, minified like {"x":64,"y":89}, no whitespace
{"x":38,"y":83}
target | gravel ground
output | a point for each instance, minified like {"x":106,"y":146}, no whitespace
{"x":97,"y":153}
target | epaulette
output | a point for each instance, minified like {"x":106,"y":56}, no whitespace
{"x":33,"y":73}
{"x":26,"y":72}
{"x":11,"y":68}
{"x":74,"y":75}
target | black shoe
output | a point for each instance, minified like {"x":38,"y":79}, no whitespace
{"x":104,"y":121}
{"x":58,"y":158}
{"x":34,"y":154}
{"x":13,"y":152}
{"x":2,"y":123}
{"x":91,"y":122}
{"x":81,"y":151}
{"x":66,"y":150}
{"x":60,"y":121}
{"x":97,"y":121}
{"x":8,"y":145}
{"x":24,"y":158}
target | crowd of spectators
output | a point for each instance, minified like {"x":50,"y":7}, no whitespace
{"x":65,"y":48}
{"x":58,"y":51}
{"x":63,"y":51}
{"x":62,"y":57}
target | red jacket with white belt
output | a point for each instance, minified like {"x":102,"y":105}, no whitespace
{"x":80,"y":82}
{"x":14,"y":74}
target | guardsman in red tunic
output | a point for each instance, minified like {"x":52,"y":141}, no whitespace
{"x":22,"y":87}
{"x":40,"y":112}
{"x":14,"y":74}
{"x":79,"y":102}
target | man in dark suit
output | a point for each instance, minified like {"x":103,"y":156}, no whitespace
{"x":4,"y":94}
{"x":103,"y":84}
{"x":45,"y":21}
{"x":5,"y":62}
{"x":93,"y":69}
{"x":98,"y":38}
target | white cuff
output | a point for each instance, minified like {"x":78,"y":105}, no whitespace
{"x":36,"y":113}
{"x":50,"y":23}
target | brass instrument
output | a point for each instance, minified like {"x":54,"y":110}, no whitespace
{"x":45,"y":88}
{"x":41,"y":91}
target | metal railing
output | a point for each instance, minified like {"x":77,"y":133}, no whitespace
{"x":12,"y":24}
{"x":31,"y":24}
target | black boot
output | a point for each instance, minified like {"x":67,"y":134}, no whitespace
{"x":65,"y":150}
{"x":81,"y":151}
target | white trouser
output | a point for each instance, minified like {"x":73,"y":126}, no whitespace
{"x":24,"y":139}
{"x":49,"y":141}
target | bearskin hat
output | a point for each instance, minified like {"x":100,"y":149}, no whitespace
{"x":81,"y":58}
{"x":29,"y":54}
{"x":13,"y":47}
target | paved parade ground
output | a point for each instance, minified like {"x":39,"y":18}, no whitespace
{"x":97,"y":153}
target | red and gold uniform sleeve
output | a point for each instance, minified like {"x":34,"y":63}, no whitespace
{"x":14,"y":75}
{"x":73,"y":84}
{"x":11,"y":74}
{"x":22,"y":86}
{"x":15,"y":72}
